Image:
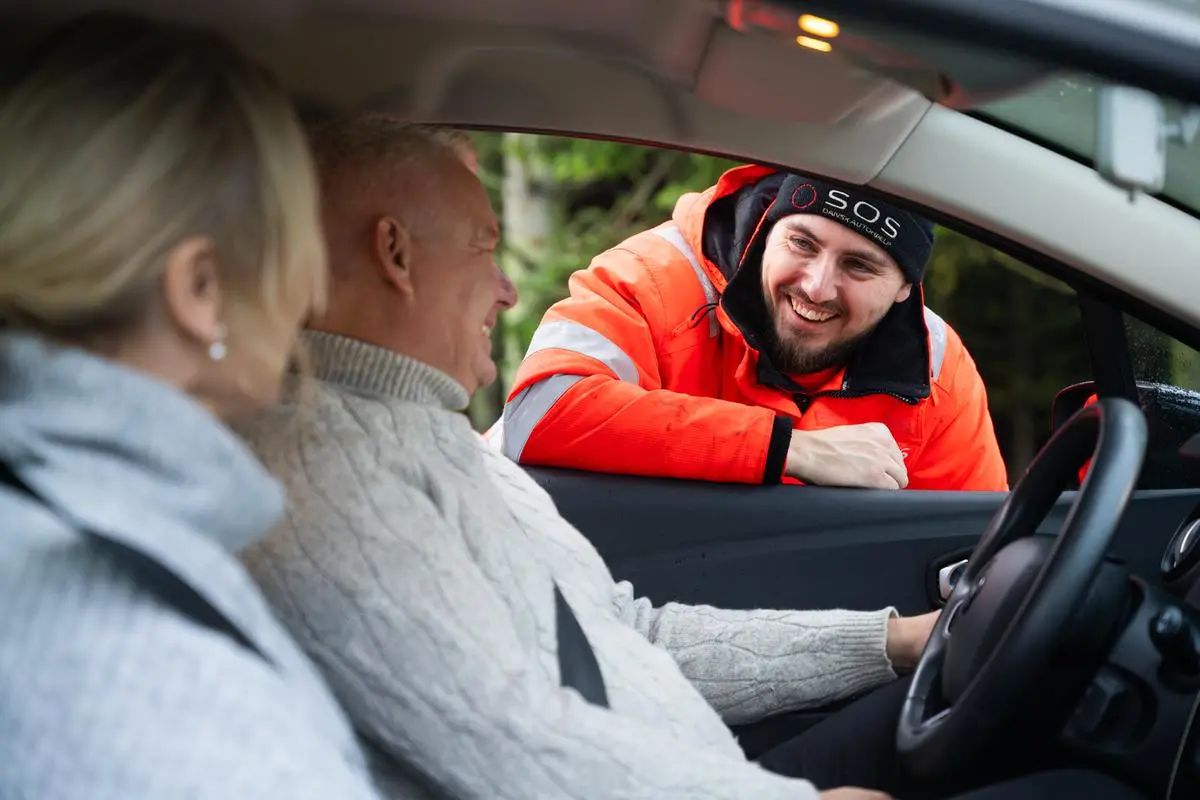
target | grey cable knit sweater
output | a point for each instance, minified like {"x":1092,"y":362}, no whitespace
{"x":416,"y":566}
{"x":107,"y":692}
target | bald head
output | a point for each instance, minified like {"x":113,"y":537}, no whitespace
{"x":372,"y":166}
{"x":412,"y":242}
{"x":457,"y":140}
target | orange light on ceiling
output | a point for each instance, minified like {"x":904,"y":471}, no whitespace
{"x":820,"y":45}
{"x":819,"y":26}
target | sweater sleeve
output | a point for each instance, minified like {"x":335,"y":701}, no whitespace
{"x":589,"y":393}
{"x":754,"y":663}
{"x":424,"y":654}
{"x":747,"y":664}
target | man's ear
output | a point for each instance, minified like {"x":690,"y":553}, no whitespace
{"x":394,"y":254}
{"x":192,"y":290}
{"x":904,"y":293}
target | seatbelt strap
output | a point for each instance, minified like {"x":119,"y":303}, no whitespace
{"x":577,"y":663}
{"x":159,"y":580}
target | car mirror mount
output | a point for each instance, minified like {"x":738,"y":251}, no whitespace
{"x":1133,"y":131}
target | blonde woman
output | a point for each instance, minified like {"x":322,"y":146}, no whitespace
{"x":159,"y":246}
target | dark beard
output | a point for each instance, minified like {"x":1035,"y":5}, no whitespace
{"x":792,"y":358}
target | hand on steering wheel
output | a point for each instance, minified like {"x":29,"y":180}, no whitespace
{"x":980,"y":670}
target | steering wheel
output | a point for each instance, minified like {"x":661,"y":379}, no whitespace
{"x":980,"y":670}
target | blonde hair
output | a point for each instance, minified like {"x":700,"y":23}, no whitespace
{"x":121,"y":137}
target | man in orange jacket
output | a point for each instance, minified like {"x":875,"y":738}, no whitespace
{"x":773,"y":330}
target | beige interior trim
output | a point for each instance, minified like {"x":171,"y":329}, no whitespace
{"x":669,"y":72}
{"x":987,"y":177}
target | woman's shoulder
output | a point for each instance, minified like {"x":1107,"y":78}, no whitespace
{"x":71,"y":582}
{"x":92,"y":653}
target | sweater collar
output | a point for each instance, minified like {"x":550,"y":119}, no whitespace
{"x":119,"y":451}
{"x":355,"y":364}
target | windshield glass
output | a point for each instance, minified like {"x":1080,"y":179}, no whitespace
{"x":1063,"y":112}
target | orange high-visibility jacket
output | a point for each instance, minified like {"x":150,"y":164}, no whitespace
{"x":643,"y":371}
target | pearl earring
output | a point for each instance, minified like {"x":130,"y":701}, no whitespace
{"x":217,"y":350}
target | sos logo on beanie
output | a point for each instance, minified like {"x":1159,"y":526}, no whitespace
{"x":906,"y":237}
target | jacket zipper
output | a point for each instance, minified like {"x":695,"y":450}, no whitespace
{"x":804,"y":401}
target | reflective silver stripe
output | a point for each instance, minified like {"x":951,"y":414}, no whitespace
{"x":672,"y":234}
{"x":567,"y":335}
{"x":937,"y":342}
{"x":525,"y":411}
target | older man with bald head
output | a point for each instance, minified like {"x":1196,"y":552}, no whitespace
{"x":412,"y":248}
{"x":478,"y":641}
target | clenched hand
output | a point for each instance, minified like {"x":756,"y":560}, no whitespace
{"x":863,"y":455}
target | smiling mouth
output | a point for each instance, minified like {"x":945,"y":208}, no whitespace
{"x":487,"y":329}
{"x":810,"y":313}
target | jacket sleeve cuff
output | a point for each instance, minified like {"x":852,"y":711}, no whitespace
{"x":777,"y":449}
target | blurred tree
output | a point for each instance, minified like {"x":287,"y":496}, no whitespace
{"x":1159,"y":358}
{"x":1021,"y":326}
{"x":1185,"y":366}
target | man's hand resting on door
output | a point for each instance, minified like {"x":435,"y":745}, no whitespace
{"x":863,"y":455}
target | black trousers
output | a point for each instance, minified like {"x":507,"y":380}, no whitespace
{"x":1058,"y":785}
{"x":856,"y":746}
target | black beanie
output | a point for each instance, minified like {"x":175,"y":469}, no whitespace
{"x":906,"y":237}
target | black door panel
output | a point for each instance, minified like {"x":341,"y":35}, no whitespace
{"x":805,"y":547}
